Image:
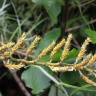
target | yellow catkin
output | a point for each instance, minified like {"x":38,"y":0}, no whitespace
{"x":33,"y":44}
{"x":8,"y":45}
{"x":66,"y":48}
{"x":61,"y":69}
{"x":46,"y":50}
{"x":83,"y":63}
{"x":2,"y":58}
{"x":83,"y":50}
{"x":57,"y":47}
{"x":7,"y":54}
{"x":14,"y":66}
{"x":92,"y":60}
{"x":87,"y":80}
{"x":19,"y":42}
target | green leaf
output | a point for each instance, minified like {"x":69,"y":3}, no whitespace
{"x":71,"y":56}
{"x":57,"y":56}
{"x":71,"y":78}
{"x":53,"y":7}
{"x":91,"y":34}
{"x":48,"y":39}
{"x":35,"y":79}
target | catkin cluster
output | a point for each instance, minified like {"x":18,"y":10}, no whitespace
{"x":81,"y":64}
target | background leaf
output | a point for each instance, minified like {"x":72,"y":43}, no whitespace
{"x":71,"y":56}
{"x":52,"y":7}
{"x":48,"y":39}
{"x":35,"y":79}
{"x":92,"y":34}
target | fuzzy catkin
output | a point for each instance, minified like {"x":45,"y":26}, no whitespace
{"x":33,"y":44}
{"x":66,"y":48}
{"x":83,"y":49}
{"x":57,"y":47}
{"x":15,"y":47}
{"x":46,"y":50}
{"x":61,"y":69}
{"x":8,"y":45}
{"x":82,"y":63}
{"x":19,"y":42}
{"x":92,"y":60}
{"x":14,"y":66}
{"x":87,"y":80}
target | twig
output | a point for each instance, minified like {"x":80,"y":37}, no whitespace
{"x":86,"y":3}
{"x":17,"y":18}
{"x":80,"y":26}
{"x":20,"y":84}
{"x":18,"y":81}
{"x":22,"y":53}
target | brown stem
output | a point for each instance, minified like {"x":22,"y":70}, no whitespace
{"x":20,"y":84}
{"x":80,"y":26}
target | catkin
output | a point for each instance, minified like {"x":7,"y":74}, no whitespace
{"x":46,"y":50}
{"x":84,"y":62}
{"x":87,"y":80}
{"x":57,"y":47}
{"x":19,"y":43}
{"x":14,"y":66}
{"x":61,"y":69}
{"x":83,"y":50}
{"x":66,"y":48}
{"x":8,"y":45}
{"x":2,"y":57}
{"x":92,"y":60}
{"x":7,"y":49}
{"x":33,"y":44}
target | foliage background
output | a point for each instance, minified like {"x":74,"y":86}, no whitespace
{"x":51,"y":19}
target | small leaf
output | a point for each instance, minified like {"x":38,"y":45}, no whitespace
{"x":57,"y":55}
{"x":35,"y":79}
{"x":73,"y":53}
{"x":71,"y":56}
{"x":91,"y":34}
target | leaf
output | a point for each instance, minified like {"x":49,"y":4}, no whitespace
{"x":57,"y":56}
{"x":71,"y":56}
{"x":53,"y":7}
{"x":35,"y":79}
{"x":91,"y":34}
{"x":71,"y":78}
{"x":48,"y":38}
